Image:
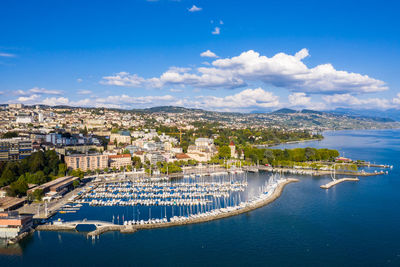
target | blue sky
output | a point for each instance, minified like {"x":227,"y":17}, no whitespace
{"x":216,"y":55}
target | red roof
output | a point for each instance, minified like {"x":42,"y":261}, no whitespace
{"x":119,"y":156}
{"x":182,"y":156}
{"x":231,"y":143}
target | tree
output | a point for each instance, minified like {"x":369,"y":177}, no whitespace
{"x":39,"y":178}
{"x":137,"y":162}
{"x":310,"y":153}
{"x":78,"y":173}
{"x":7,"y":177}
{"x":18,"y":188}
{"x":115,"y":130}
{"x":37,"y":162}
{"x":10,"y":135}
{"x":75,"y":183}
{"x":38,"y":194}
{"x":269,"y":156}
{"x":224,"y":152}
{"x":62,"y":169}
{"x":84,"y":131}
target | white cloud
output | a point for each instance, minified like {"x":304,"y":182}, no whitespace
{"x":281,"y":70}
{"x":125,"y":101}
{"x":28,"y":99}
{"x":302,"y":54}
{"x":36,"y":90}
{"x":179,"y":69}
{"x":245,"y":100}
{"x":221,"y":22}
{"x":208,"y":53}
{"x":79,"y":80}
{"x":195,"y":9}
{"x":173,"y":90}
{"x":55,"y":101}
{"x":350,"y":101}
{"x":7,"y":55}
{"x":84,"y":92}
{"x":396,"y":100}
{"x":216,"y":31}
{"x":123,"y":79}
{"x":299,"y":99}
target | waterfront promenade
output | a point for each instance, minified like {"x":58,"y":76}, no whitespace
{"x":309,"y":171}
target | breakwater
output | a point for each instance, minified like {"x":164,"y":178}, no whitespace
{"x":338,"y":181}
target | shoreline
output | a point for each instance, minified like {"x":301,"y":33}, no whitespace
{"x":300,"y":171}
{"x":133,"y":228}
{"x":288,"y":143}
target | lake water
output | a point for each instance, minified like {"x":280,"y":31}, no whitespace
{"x":352,"y":224}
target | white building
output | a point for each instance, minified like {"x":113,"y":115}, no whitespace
{"x":24,"y":119}
{"x":40,"y":117}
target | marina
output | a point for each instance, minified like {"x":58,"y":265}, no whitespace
{"x":187,"y":201}
{"x":296,"y":214}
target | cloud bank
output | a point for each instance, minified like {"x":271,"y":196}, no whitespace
{"x":281,"y":70}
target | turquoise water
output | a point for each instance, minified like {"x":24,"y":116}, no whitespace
{"x":352,"y":224}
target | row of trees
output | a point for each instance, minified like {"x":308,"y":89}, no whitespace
{"x":38,"y":168}
{"x":241,"y":136}
{"x":276,"y":156}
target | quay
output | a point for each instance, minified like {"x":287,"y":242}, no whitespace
{"x":309,"y":171}
{"x":102,"y":227}
{"x":338,"y":181}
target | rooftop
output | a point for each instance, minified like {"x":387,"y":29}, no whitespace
{"x":119,"y":156}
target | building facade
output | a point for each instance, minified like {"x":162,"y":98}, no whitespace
{"x":13,"y":224}
{"x":118,"y":161}
{"x":15,"y":148}
{"x":122,"y":137}
{"x":87,"y":162}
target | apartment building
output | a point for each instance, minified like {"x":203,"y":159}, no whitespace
{"x":15,"y":148}
{"x":119,"y":161}
{"x":87,"y":162}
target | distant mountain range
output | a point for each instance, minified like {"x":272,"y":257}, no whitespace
{"x":381,"y":116}
{"x":333,"y":119}
{"x":393,"y":114}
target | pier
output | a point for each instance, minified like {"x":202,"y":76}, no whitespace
{"x":101,"y":227}
{"x":338,"y":181}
